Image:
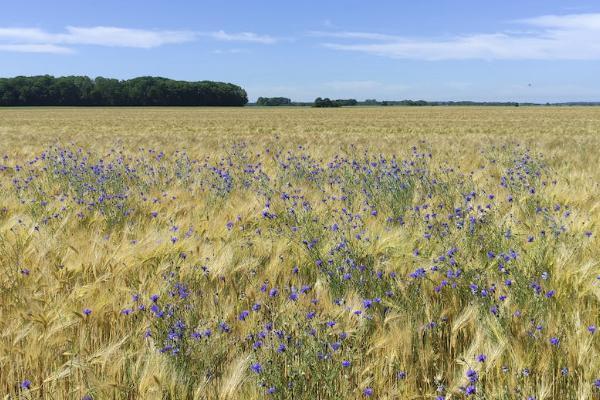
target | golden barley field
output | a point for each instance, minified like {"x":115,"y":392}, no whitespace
{"x":300,"y":253}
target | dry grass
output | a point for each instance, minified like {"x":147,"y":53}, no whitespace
{"x":61,"y":254}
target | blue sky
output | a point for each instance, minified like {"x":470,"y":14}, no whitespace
{"x":435,"y":50}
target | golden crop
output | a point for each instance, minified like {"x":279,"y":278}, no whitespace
{"x":211,"y":209}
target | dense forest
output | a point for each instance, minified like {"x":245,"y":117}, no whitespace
{"x":46,"y":90}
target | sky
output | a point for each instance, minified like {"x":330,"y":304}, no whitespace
{"x":526,"y":50}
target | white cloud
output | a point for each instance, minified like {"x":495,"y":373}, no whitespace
{"x":250,"y":37}
{"x":124,"y":37}
{"x":570,"y":21}
{"x":39,"y":41}
{"x":353,"y":35}
{"x":98,"y":36}
{"x":551,"y":37}
{"x":35,"y":48}
{"x":26,"y":35}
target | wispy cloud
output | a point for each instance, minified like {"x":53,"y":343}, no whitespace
{"x":97,"y":36}
{"x":36,"y":40}
{"x":549,"y":37}
{"x":353,"y":35}
{"x":250,"y":37}
{"x":35,"y":48}
{"x":124,"y":37}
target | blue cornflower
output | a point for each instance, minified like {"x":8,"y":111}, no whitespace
{"x":196,"y":335}
{"x":554,"y":341}
{"x":481,"y":358}
{"x":256,"y":367}
{"x":368,"y":391}
{"x":274,"y":292}
{"x":472,"y":375}
{"x":26,"y":384}
{"x":281,"y":348}
{"x":87,"y":311}
{"x":243,"y":315}
{"x":304,"y":289}
{"x":256,"y":307}
{"x":345,"y":363}
{"x":470,"y":390}
{"x":592,"y":329}
{"x":418,"y":273}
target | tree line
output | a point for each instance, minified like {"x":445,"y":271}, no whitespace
{"x":327,"y":102}
{"x":273,"y":101}
{"x":46,"y":90}
{"x":321,"y":102}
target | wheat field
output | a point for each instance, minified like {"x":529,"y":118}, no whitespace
{"x":300,"y":253}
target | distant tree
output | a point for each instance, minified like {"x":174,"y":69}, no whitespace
{"x":346,"y":102}
{"x":326,"y":102}
{"x":47,"y":90}
{"x":273,"y":101}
